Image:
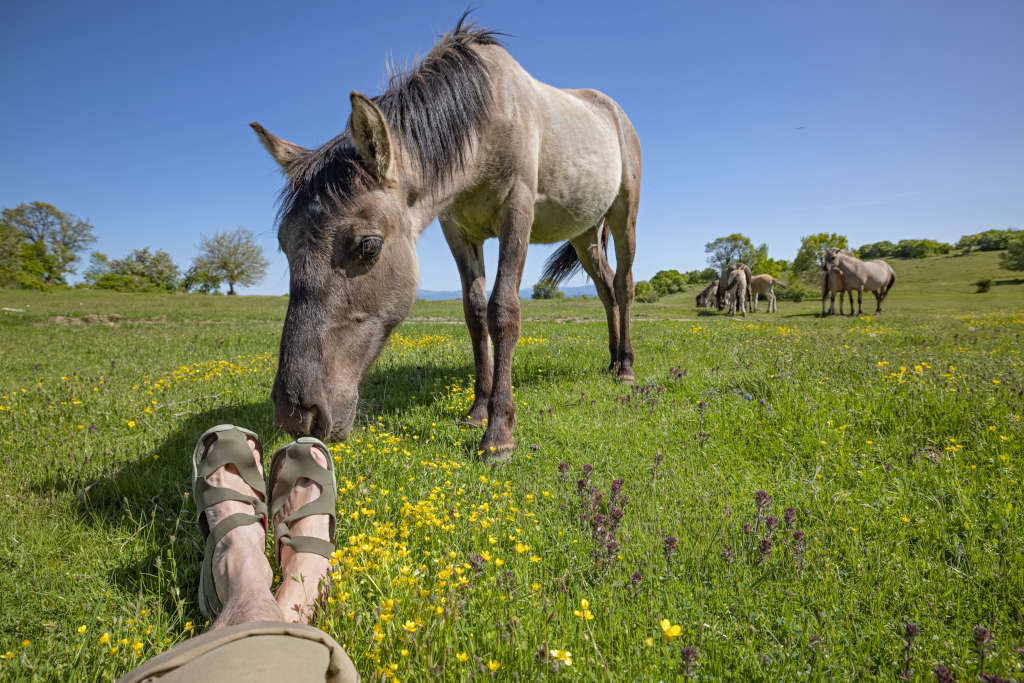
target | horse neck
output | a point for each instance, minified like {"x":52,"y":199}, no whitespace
{"x":435,"y":196}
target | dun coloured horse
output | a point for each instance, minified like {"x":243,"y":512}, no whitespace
{"x":876,"y":276}
{"x":469,"y":137}
{"x":764,"y":285}
{"x":734,"y":288}
{"x":832,"y":284}
{"x":708,"y":295}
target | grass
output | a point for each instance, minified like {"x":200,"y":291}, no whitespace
{"x":892,"y":444}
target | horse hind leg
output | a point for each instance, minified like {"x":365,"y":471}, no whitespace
{"x":590,"y":251}
{"x":622,"y":221}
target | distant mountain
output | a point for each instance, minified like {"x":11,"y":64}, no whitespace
{"x":525,"y":293}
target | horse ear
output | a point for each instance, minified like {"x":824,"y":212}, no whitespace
{"x":372,"y":138}
{"x":284,"y":152}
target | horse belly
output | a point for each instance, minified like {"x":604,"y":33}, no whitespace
{"x":578,"y":176}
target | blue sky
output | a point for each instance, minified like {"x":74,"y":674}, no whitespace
{"x":878,"y":120}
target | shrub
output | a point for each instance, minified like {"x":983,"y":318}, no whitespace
{"x":1013,"y":259}
{"x":983,"y":285}
{"x":795,"y":291}
{"x":547,"y":289}
{"x":644,"y":292}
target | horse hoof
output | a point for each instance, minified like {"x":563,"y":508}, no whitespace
{"x":626,"y":376}
{"x":496,"y":454}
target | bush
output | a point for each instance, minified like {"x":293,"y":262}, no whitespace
{"x":795,"y":291}
{"x":644,"y":292}
{"x":990,"y":240}
{"x":920,"y":248}
{"x":983,"y":285}
{"x":668,"y":282}
{"x":876,"y":250}
{"x":546,"y":289}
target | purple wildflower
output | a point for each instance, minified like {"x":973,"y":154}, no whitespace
{"x":762,"y":499}
{"x":789,"y":514}
{"x":943,"y":675}
{"x":765,"y":546}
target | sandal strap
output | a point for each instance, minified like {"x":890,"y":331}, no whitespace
{"x":299,"y":464}
{"x":234,"y":450}
{"x":212,"y":590}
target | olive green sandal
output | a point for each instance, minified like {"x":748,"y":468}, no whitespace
{"x":232,"y":449}
{"x":290,"y":464}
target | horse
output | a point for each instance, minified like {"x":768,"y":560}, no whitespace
{"x":736,"y":290}
{"x":832,"y":283}
{"x":707,"y":295}
{"x":765,"y":285}
{"x":876,"y":276}
{"x":466,"y":136}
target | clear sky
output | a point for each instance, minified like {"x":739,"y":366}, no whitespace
{"x":878,"y":120}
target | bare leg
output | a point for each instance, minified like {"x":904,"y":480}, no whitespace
{"x":591,"y":255}
{"x":238,"y":560}
{"x":470,"y":260}
{"x":302,"y":573}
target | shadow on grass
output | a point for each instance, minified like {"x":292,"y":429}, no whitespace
{"x":1018,"y":281}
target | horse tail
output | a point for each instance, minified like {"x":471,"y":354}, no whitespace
{"x":562,"y":264}
{"x":888,"y":285}
{"x":779,"y":283}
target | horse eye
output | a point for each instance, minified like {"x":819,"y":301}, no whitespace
{"x":369,"y":249}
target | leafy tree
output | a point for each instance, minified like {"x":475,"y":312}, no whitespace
{"x":725,"y":250}
{"x":811,"y":255}
{"x":1013,"y":259}
{"x":10,"y":254}
{"x":141,"y":270}
{"x":702,"y":277}
{"x":234,"y":257}
{"x":547,"y":289}
{"x":668,"y":282}
{"x":761,"y":263}
{"x":35,"y":265}
{"x":877,"y":250}
{"x":644,"y":292}
{"x":989,"y":240}
{"x":200,"y":280}
{"x":60,"y":235}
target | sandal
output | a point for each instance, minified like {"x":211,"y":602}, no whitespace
{"x":290,"y":464}
{"x":234,"y":450}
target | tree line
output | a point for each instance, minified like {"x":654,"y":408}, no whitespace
{"x":41,"y":246}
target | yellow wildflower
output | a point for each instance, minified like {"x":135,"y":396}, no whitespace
{"x":584,"y":611}
{"x":671,"y":630}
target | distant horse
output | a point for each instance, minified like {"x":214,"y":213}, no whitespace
{"x":876,"y":276}
{"x":831,"y":284}
{"x":765,"y":285}
{"x":469,"y":137}
{"x":734,"y":288}
{"x":707,"y":295}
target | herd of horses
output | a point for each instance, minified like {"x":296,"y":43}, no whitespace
{"x":467,"y":137}
{"x":842,"y":273}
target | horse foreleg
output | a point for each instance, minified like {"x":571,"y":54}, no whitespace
{"x":878,"y":301}
{"x":470,"y":261}
{"x":503,"y":322}
{"x":754,"y":304}
{"x":591,"y":254}
{"x":860,"y":296}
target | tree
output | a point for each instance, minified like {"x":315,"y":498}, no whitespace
{"x":761,"y":263}
{"x":59,"y":235}
{"x":200,"y":280}
{"x":811,"y":255}
{"x":725,"y":250}
{"x":547,"y":289}
{"x":234,"y":257}
{"x":920,"y":248}
{"x":10,"y":254}
{"x":1013,"y":259}
{"x":140,"y":271}
{"x":668,"y":282}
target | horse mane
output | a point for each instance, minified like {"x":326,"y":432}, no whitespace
{"x":433,"y":109}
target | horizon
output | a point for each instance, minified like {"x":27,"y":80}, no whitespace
{"x":875,"y":121}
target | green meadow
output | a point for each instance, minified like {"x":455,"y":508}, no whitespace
{"x":776,"y":498}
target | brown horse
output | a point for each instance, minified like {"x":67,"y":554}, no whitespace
{"x":707,"y":295}
{"x":764,"y":285}
{"x":734,"y":288}
{"x":469,"y":137}
{"x":832,"y":284}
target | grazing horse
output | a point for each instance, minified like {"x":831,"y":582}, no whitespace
{"x":707,"y":295}
{"x":876,"y":276}
{"x":736,"y":288}
{"x":765,"y":285}
{"x":469,"y":137}
{"x":831,"y":284}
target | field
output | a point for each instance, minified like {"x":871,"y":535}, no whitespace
{"x":776,"y":497}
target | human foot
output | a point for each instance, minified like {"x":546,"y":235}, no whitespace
{"x":303,"y":496}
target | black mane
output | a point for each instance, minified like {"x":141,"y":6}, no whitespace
{"x":433,"y":109}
